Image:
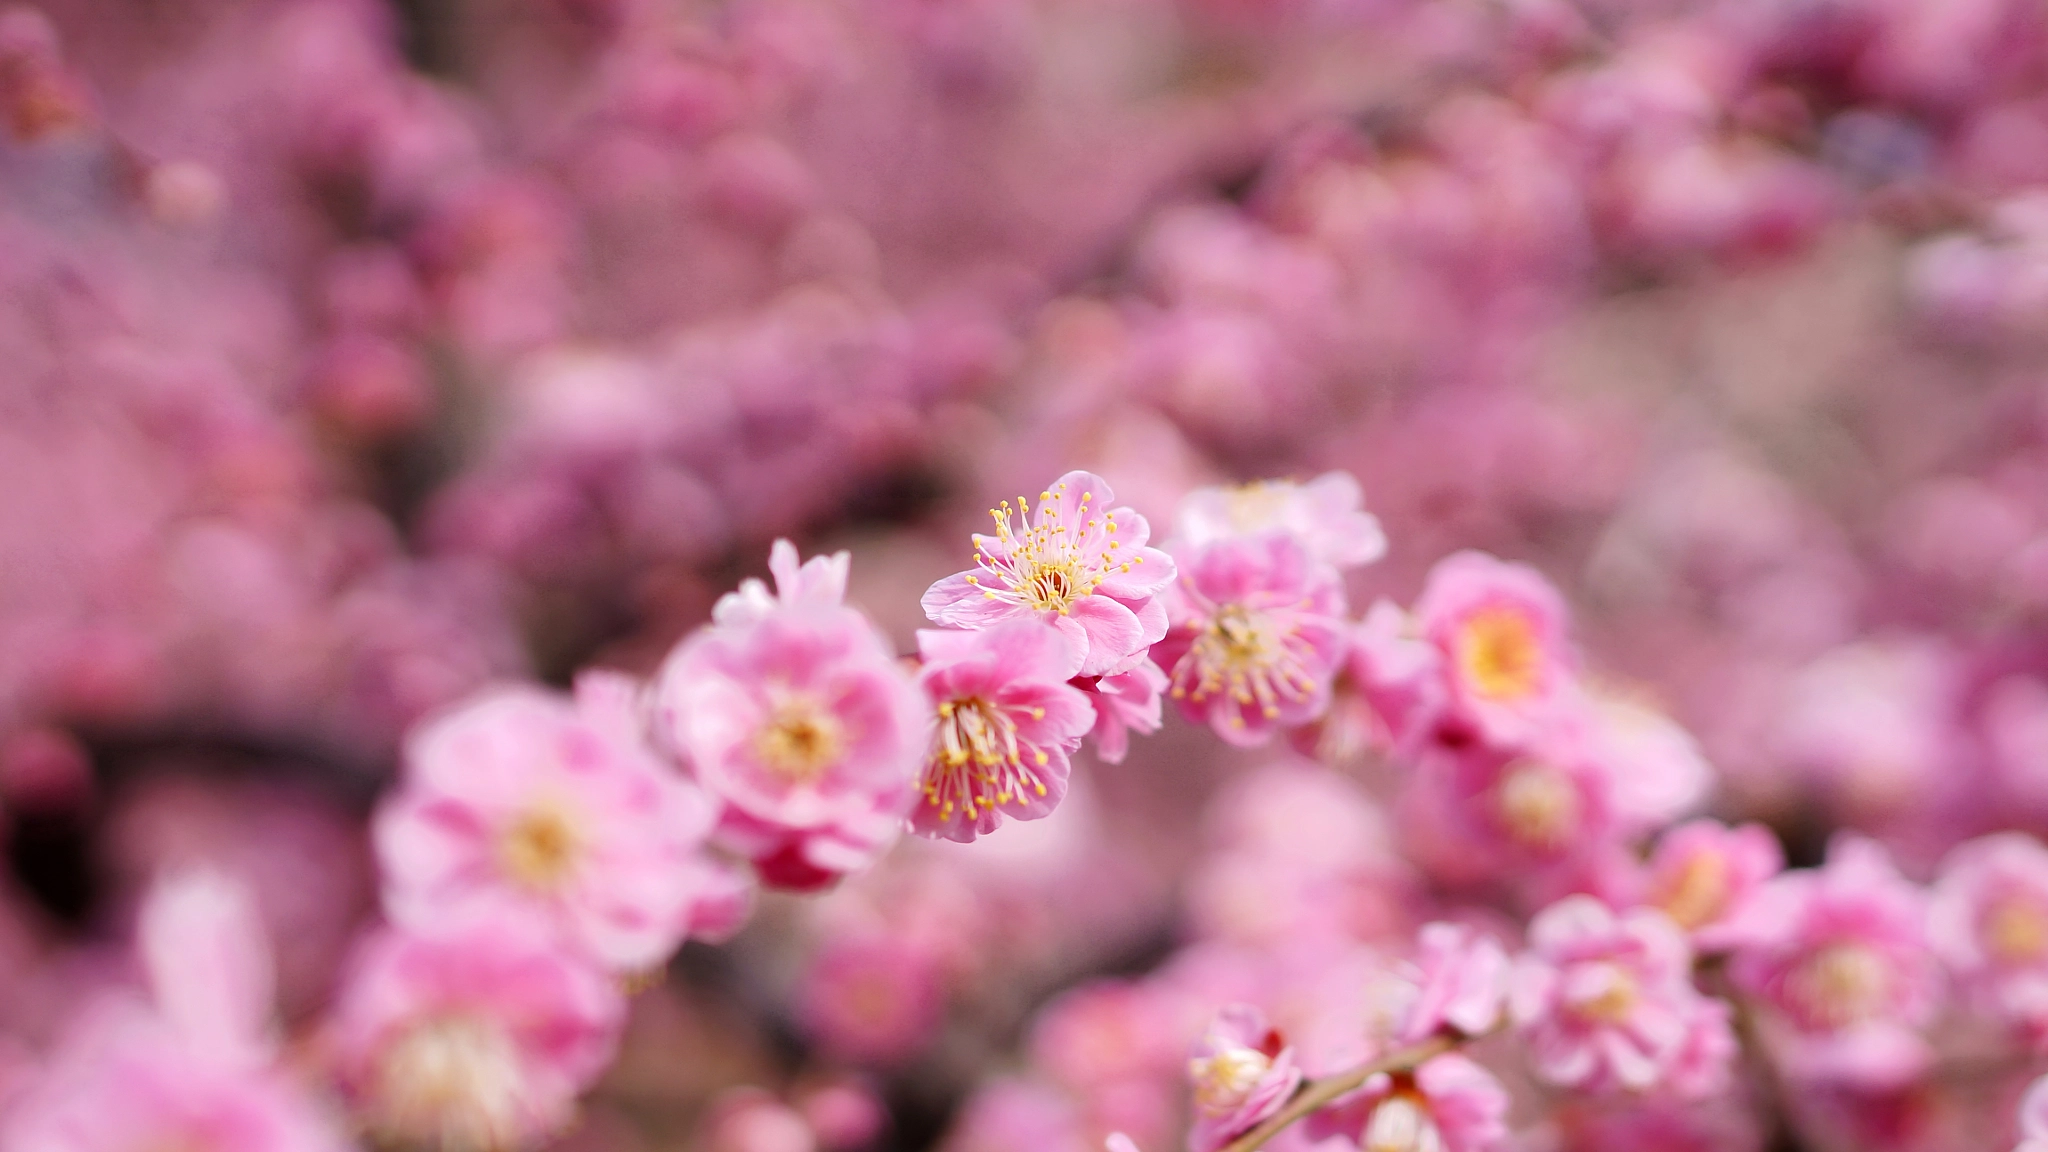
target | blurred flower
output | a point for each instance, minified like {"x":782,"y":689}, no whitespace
{"x":1988,"y":920}
{"x":1447,"y":1103}
{"x":1242,"y":1073}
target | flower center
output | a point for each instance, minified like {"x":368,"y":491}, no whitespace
{"x":1224,"y":1080}
{"x":1500,"y":654}
{"x":977,"y":762}
{"x":451,"y":1082}
{"x":1247,"y":656}
{"x":800,"y":739}
{"x":1538,"y":805}
{"x":1609,"y":996}
{"x":1048,"y":565}
{"x":1696,"y":892}
{"x":1840,"y":985}
{"x":538,"y":850}
{"x":1402,"y":1123}
{"x":2017,"y":931}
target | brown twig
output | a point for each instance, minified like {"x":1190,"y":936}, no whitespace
{"x":1316,"y":1093}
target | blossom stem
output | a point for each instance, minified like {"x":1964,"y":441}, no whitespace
{"x":1316,"y":1093}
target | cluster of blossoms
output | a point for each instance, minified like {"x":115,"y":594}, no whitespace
{"x":373,"y":363}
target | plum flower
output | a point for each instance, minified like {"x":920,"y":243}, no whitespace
{"x":1988,"y":920}
{"x":1484,"y":812}
{"x":819,"y":580}
{"x":1007,"y":723}
{"x":194,"y":1067}
{"x":1703,"y":873}
{"x":1501,"y":629}
{"x":1839,"y":957}
{"x":1606,"y":1001}
{"x":1456,"y":981}
{"x":517,"y":797}
{"x":1258,"y":635}
{"x":472,"y":1036}
{"x":799,"y":720}
{"x":1447,"y":1104}
{"x":1242,"y":1073}
{"x":1124,"y":703}
{"x":1080,"y":564}
{"x":1326,"y":515}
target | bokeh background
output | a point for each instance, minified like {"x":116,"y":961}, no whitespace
{"x":354,"y":355}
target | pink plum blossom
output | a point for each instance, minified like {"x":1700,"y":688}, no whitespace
{"x":518,"y":797}
{"x":1325,"y":514}
{"x":1007,"y":723}
{"x":1081,"y":564}
{"x":1242,"y":1072}
{"x":127,"y":1080}
{"x":1501,"y":629}
{"x":1703,"y":873}
{"x":1455,"y":981}
{"x":473,"y":1034}
{"x":195,"y":1066}
{"x":819,"y":580}
{"x":1606,"y":1001}
{"x":1522,"y":814}
{"x":801,"y":723}
{"x":1839,"y":957}
{"x":1397,"y":673}
{"x":1124,"y":703}
{"x":1257,"y":638}
{"x":1988,"y":920}
{"x":1447,"y":1104}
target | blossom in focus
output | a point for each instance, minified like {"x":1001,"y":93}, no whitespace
{"x":1124,"y":703}
{"x":1987,"y":919}
{"x":1007,"y":723}
{"x":1257,"y":636}
{"x":1242,"y":1072}
{"x":1839,"y":957}
{"x":475,"y":1036}
{"x":1702,"y":873}
{"x":518,"y":798}
{"x":1606,"y":1001}
{"x":1326,"y":515}
{"x":1501,"y":629}
{"x":801,"y":723}
{"x":1080,"y":564}
{"x":1447,"y":1104}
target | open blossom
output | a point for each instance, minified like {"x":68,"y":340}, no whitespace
{"x":1483,"y":812}
{"x":1124,"y":703}
{"x":1447,"y":1104}
{"x":474,"y":1036}
{"x":1455,"y":981}
{"x":1326,"y":515}
{"x":1397,"y":673}
{"x":1257,"y":638}
{"x":518,"y":797}
{"x":801,"y":723}
{"x":1840,"y":957}
{"x":123,"y":1080}
{"x":1606,"y":1001}
{"x":1007,"y":723}
{"x":1242,"y":1073}
{"x":1501,"y":629}
{"x":1703,"y":873}
{"x":1988,"y":920}
{"x":1080,"y":564}
{"x":195,"y":1066}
